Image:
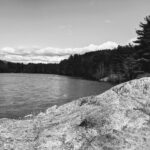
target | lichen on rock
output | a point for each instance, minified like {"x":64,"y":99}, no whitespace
{"x":118,"y":119}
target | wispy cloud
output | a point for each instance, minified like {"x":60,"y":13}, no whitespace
{"x":108,"y":21}
{"x":48,"y":54}
{"x":67,"y":28}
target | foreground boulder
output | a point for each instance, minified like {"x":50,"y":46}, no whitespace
{"x":118,"y":119}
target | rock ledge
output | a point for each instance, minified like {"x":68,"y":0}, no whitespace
{"x":118,"y":119}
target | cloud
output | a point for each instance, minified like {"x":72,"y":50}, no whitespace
{"x":93,"y":3}
{"x":48,"y":54}
{"x":62,"y":27}
{"x":107,"y":21}
{"x":132,"y":40}
{"x":33,"y":59}
{"x":67,"y":28}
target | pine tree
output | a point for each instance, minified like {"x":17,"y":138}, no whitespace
{"x":144,"y":34}
{"x":143,"y":41}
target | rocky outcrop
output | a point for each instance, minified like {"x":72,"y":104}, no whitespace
{"x":118,"y":119}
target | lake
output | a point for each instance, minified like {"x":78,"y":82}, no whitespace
{"x":23,"y":94}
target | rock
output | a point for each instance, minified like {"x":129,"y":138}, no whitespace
{"x":105,"y":79}
{"x":113,"y":78}
{"x":118,"y":119}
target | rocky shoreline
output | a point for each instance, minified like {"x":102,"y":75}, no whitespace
{"x":118,"y":119}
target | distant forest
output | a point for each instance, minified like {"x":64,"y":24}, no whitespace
{"x":117,"y":65}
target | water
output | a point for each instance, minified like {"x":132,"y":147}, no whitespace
{"x":23,"y":94}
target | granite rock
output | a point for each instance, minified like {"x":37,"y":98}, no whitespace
{"x":118,"y":119}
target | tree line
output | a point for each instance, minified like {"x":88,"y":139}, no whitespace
{"x":120,"y":64}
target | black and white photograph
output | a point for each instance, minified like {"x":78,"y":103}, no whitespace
{"x":74,"y":74}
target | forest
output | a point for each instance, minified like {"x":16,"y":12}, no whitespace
{"x":118,"y":65}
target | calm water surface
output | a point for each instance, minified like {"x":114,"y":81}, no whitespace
{"x":23,"y":94}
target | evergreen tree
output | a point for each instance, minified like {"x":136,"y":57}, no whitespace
{"x":144,"y":34}
{"x":144,"y":44}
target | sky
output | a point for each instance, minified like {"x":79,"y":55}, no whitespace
{"x":50,"y":30}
